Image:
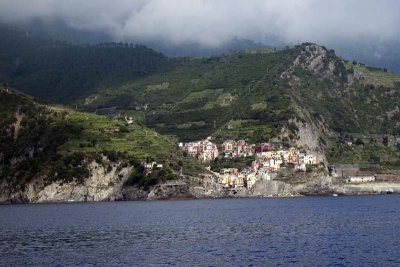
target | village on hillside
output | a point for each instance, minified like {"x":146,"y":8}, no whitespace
{"x":268,"y":160}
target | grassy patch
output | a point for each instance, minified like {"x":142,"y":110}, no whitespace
{"x":158,"y":87}
{"x":259,"y":106}
{"x":103,"y":133}
{"x":375,"y":76}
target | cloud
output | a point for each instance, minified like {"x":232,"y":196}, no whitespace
{"x":211,"y":23}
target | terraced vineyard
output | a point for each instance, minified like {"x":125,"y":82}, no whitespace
{"x":199,"y":97}
{"x":375,"y":76}
{"x":38,"y":139}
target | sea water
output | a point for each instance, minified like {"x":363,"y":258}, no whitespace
{"x":309,"y":231}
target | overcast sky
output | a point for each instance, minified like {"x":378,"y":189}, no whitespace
{"x":213,"y":22}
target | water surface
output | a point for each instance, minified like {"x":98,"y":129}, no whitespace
{"x":310,"y":231}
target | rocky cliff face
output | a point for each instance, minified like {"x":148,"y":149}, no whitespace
{"x":318,"y":183}
{"x":103,"y":185}
{"x":104,"y":182}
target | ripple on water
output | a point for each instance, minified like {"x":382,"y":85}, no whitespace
{"x":345,"y":231}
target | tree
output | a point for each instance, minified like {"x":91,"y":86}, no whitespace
{"x":374,"y":159}
{"x":123,"y":129}
{"x":359,"y":141}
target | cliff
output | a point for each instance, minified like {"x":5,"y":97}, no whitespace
{"x":109,"y":184}
{"x":103,"y":184}
{"x":50,"y":153}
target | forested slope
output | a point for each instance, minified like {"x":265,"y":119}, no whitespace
{"x":62,"y":72}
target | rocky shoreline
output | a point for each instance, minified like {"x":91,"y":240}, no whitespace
{"x":109,"y":184}
{"x":199,"y":198}
{"x":180,"y":190}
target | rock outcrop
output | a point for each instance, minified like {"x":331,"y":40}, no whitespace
{"x":103,"y":183}
{"x":109,"y":186}
{"x":170,"y":190}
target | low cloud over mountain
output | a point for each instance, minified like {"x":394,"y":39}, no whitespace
{"x":211,"y":24}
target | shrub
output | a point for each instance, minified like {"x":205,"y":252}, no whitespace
{"x":123,"y":129}
{"x":293,"y":127}
{"x":359,"y":141}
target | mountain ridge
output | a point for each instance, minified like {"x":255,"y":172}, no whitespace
{"x":304,"y":97}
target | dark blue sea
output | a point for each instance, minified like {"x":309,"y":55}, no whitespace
{"x":309,"y":231}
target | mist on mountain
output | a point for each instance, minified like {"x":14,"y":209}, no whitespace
{"x":358,"y":30}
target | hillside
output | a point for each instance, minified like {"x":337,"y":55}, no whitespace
{"x":304,"y":96}
{"x":62,"y":72}
{"x":42,"y":146}
{"x":201,"y":96}
{"x":244,"y":87}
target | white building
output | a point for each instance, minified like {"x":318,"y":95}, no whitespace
{"x":361,"y":179}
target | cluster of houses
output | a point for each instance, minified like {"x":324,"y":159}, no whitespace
{"x":239,"y":179}
{"x":265,"y":166}
{"x":269,"y":159}
{"x":233,"y":149}
{"x":203,"y":150}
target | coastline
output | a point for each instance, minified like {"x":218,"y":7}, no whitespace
{"x":184,"y":192}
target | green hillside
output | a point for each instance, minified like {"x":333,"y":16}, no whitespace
{"x":201,"y":97}
{"x":256,"y":94}
{"x":39,"y":140}
{"x":252,"y":95}
{"x":62,"y":72}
